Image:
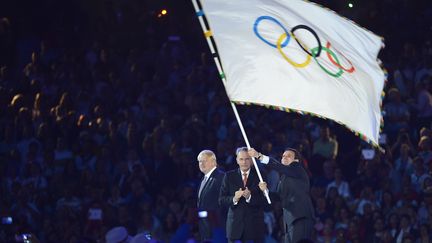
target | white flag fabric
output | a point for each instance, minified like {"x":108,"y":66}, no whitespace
{"x":293,"y":54}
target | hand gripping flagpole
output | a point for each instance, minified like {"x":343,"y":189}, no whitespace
{"x":208,"y":34}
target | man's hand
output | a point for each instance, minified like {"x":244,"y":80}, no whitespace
{"x":246,"y":193}
{"x":238,"y":194}
{"x":263,"y":186}
{"x":253,"y":153}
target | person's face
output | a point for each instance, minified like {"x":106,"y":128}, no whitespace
{"x":394,"y":220}
{"x":419,"y":166}
{"x":352,"y":227}
{"x":404,"y":150}
{"x":34,"y":57}
{"x":244,"y":161}
{"x":387,"y":237}
{"x":423,"y":144}
{"x":387,"y":197}
{"x":404,"y":223}
{"x":321,"y":203}
{"x":344,"y":213}
{"x":288,"y":157}
{"x":367,"y":208}
{"x":325,"y":132}
{"x":205,"y":163}
{"x":379,"y":225}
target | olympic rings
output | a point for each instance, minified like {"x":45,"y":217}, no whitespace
{"x":314,"y":52}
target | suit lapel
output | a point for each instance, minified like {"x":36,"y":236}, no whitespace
{"x":208,"y":183}
{"x":251,"y":178}
{"x":239,"y":179}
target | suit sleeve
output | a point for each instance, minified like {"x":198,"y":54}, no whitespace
{"x":257,"y":196}
{"x":219,"y":180}
{"x":286,"y":170}
{"x":225,"y":199}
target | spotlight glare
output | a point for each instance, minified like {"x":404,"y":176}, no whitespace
{"x":350,"y":5}
{"x":164,"y":12}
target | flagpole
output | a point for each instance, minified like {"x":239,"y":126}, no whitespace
{"x":208,"y":34}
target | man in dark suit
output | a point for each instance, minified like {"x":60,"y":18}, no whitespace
{"x":245,"y":202}
{"x":209,"y":212}
{"x":294,"y":192}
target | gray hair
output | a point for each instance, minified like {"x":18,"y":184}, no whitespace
{"x":206,"y":153}
{"x":241,"y":149}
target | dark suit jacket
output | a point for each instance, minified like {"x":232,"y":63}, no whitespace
{"x":244,"y":220}
{"x":208,"y":201}
{"x":294,"y":191}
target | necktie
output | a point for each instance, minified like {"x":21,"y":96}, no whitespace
{"x":203,"y":182}
{"x":244,"y":179}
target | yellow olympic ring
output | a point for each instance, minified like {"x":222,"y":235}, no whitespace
{"x":299,"y":65}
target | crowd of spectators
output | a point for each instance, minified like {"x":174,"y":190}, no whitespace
{"x":105,"y":105}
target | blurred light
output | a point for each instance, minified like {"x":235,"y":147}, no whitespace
{"x":162,"y":13}
{"x":350,"y":5}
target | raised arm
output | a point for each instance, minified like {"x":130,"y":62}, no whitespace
{"x":274,"y":164}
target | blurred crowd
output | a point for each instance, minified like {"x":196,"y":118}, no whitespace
{"x":105,"y":105}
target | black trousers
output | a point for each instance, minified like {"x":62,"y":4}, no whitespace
{"x":245,"y":240}
{"x":205,"y":230}
{"x":299,"y":229}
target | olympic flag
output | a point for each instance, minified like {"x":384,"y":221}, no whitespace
{"x":299,"y":56}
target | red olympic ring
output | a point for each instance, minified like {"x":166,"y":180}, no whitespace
{"x":352,"y":69}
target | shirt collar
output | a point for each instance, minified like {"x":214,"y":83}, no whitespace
{"x":247,"y":172}
{"x":209,"y":173}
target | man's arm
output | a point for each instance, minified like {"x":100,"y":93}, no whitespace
{"x":219,"y":176}
{"x":274,"y":164}
{"x":225,"y":197}
{"x":257,"y":196}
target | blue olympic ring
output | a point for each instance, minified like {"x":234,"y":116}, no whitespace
{"x":255,"y":28}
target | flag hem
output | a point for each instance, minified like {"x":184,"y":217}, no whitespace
{"x":301,"y":112}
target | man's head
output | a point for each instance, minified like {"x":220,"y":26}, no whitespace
{"x":243,"y":159}
{"x":424,"y":144}
{"x":394,"y":95}
{"x":206,"y":161}
{"x":290,"y":155}
{"x":325,"y":133}
{"x":418,"y":165}
{"x":379,"y":225}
